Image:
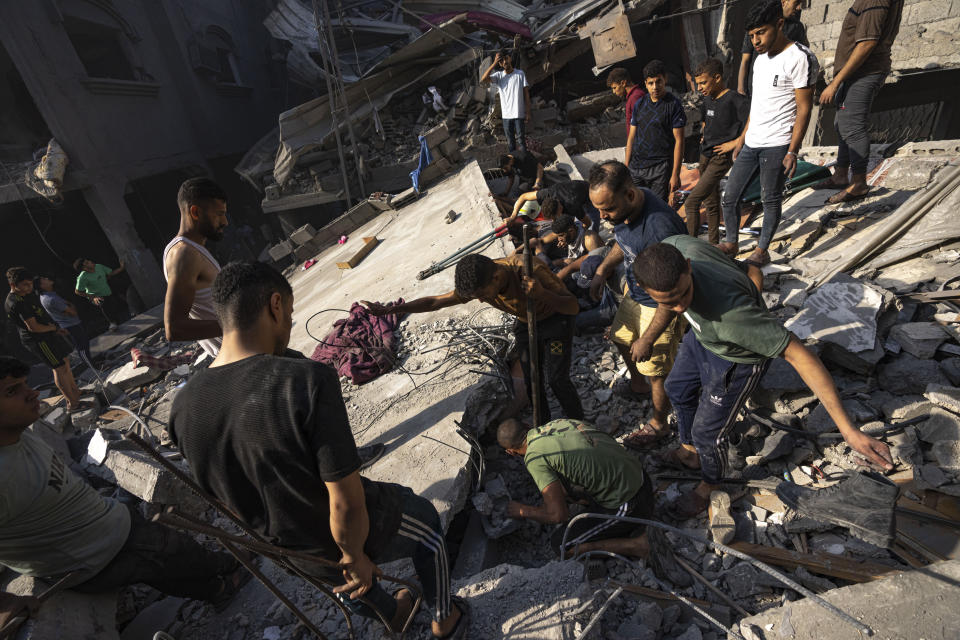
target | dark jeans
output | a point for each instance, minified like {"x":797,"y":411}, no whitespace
{"x":854,"y":100}
{"x":769,"y":162}
{"x":169,"y":561}
{"x":655,"y":177}
{"x":707,"y":193}
{"x":114,"y":309}
{"x":707,"y":392}
{"x":419,"y":538}
{"x":80,"y":340}
{"x":555,"y":338}
{"x":516,"y":131}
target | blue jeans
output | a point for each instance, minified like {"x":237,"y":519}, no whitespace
{"x":853,"y":112}
{"x":516,"y":130}
{"x":707,"y":392}
{"x":769,"y":162}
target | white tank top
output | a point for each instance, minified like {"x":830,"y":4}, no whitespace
{"x":202,"y":307}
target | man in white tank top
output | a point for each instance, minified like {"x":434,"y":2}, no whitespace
{"x":190,"y":269}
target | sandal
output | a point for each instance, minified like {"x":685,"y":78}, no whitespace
{"x":459,"y":631}
{"x":673,"y":460}
{"x":844,"y":196}
{"x":645,"y":437}
{"x":828,"y":183}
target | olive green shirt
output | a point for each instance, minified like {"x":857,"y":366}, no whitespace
{"x":585,"y":460}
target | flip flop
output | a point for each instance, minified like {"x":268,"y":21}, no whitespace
{"x":843,"y":196}
{"x":645,"y":437}
{"x":828,"y":184}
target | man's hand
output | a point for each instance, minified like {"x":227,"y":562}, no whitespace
{"x":514,"y":509}
{"x":375,"y":308}
{"x":498,"y":58}
{"x":532,"y":288}
{"x":870,"y":448}
{"x":97,"y":300}
{"x":674,"y":185}
{"x":790,"y":164}
{"x":359,"y":574}
{"x":727,"y":147}
{"x":737,"y":148}
{"x":596,"y":286}
{"x":829,"y":93}
{"x":641,"y":350}
{"x":12,"y":606}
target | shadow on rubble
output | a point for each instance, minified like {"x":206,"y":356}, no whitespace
{"x":427,"y":417}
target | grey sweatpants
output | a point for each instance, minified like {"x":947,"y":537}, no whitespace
{"x":853,"y":109}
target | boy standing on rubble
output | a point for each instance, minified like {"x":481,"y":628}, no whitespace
{"x":654,"y":150}
{"x":514,"y":93}
{"x":623,"y":86}
{"x":732,"y":341}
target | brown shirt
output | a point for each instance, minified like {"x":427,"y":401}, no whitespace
{"x":513,"y":300}
{"x":869,"y":20}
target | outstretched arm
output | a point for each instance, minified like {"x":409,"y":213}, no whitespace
{"x":553,"y":511}
{"x":419,"y":305}
{"x":522,"y":200}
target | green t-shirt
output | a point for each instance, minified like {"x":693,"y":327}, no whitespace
{"x":727,"y":313}
{"x":95,"y":282}
{"x":590,"y":462}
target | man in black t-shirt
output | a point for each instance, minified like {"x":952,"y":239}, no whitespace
{"x":795,"y":31}
{"x":265,"y":430}
{"x":524,"y":164}
{"x":569,"y":197}
{"x":725,"y":117}
{"x":39,"y":334}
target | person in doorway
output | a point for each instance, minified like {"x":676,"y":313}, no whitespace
{"x":92,"y":284}
{"x":725,"y":116}
{"x":40,"y":335}
{"x":784,"y":75}
{"x":654,"y":151}
{"x":570,"y":197}
{"x":623,"y":86}
{"x":514,"y":93}
{"x":190,"y":268}
{"x":55,"y":525}
{"x":64,"y":314}
{"x":640,"y":220}
{"x":265,"y":430}
{"x":571,"y":461}
{"x":501,"y":284}
{"x":795,"y":30}
{"x":861,"y":65}
{"x":722,"y":359}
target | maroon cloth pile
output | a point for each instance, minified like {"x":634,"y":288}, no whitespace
{"x":361,"y":346}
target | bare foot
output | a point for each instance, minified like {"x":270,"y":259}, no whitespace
{"x":445,"y":626}
{"x":729,"y":248}
{"x":404,"y":605}
{"x":759,"y":256}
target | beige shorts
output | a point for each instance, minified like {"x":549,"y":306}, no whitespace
{"x":631,"y":321}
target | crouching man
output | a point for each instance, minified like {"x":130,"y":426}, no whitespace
{"x":265,"y":430}
{"x":53,"y":524}
{"x":570,"y":461}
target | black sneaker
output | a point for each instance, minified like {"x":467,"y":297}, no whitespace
{"x":863,"y":503}
{"x":370,"y":454}
{"x":661,"y":559}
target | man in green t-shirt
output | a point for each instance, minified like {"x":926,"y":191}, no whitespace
{"x":92,"y":284}
{"x":571,"y":461}
{"x":733,"y":338}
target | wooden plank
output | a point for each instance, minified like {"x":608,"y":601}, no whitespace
{"x":822,"y":563}
{"x":370,"y":243}
{"x":113,"y":415}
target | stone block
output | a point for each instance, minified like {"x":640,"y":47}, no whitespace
{"x":919,"y":339}
{"x":944,"y":396}
{"x":437,"y":135}
{"x":906,"y":374}
{"x":84,"y":420}
{"x":129,"y":377}
{"x":304,"y":234}
{"x":143,"y":477}
{"x":281,"y":250}
{"x":449,"y":147}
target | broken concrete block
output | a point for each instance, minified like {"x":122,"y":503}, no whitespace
{"x":947,"y":455}
{"x":907,"y":374}
{"x":129,"y":376}
{"x":58,"y":418}
{"x":843,"y":313}
{"x":862,"y":362}
{"x":141,"y":476}
{"x":304,"y":234}
{"x":782,"y":378}
{"x":951,"y":369}
{"x":941,"y":425}
{"x":944,"y":396}
{"x":332,"y":182}
{"x":436,"y":135}
{"x":449,"y":147}
{"x":84,"y":420}
{"x":280,"y":250}
{"x":67,"y":613}
{"x":793,"y":293}
{"x":919,"y":339}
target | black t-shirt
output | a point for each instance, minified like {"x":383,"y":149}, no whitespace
{"x":20,"y":308}
{"x":572,"y":194}
{"x":525,"y":165}
{"x":655,"y":122}
{"x":723,"y":119}
{"x":263,"y":435}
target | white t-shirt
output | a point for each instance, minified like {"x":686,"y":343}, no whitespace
{"x":511,"y":92}
{"x":773,"y":107}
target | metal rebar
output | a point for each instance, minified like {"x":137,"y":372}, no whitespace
{"x":859,"y":626}
{"x":730,"y":602}
{"x":596,"y":617}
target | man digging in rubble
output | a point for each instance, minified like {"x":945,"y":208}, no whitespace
{"x":570,"y":197}
{"x":723,"y":358}
{"x":265,"y":430}
{"x":641,"y":219}
{"x":570,"y":461}
{"x":53,"y":524}
{"x":501,"y":284}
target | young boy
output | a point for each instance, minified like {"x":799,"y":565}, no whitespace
{"x":64,"y":314}
{"x":514,"y":93}
{"x":92,"y":284}
{"x":623,"y":86}
{"x":784,"y":75}
{"x":654,"y":148}
{"x":725,"y":116}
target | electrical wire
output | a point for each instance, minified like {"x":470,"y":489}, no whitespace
{"x":26,"y":208}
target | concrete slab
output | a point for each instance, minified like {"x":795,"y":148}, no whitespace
{"x":907,"y":605}
{"x":137,"y":326}
{"x":423,"y":450}
{"x":844,"y":313}
{"x":130,"y":376}
{"x":67,"y":614}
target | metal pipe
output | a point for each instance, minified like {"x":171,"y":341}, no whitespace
{"x":533,"y":354}
{"x":730,"y":602}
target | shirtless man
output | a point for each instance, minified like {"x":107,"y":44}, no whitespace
{"x":190,"y":269}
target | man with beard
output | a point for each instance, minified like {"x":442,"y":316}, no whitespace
{"x":190,"y":269}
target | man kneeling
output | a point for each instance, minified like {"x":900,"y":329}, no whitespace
{"x":571,"y":461}
{"x":266,"y":431}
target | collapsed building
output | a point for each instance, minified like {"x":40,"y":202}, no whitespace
{"x":870,"y":286}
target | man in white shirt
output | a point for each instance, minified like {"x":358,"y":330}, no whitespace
{"x":514,"y":98}
{"x":784,"y":76}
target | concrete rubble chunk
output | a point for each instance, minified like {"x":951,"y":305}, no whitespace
{"x":140,"y":475}
{"x":951,"y":369}
{"x":944,"y":396}
{"x":67,"y":614}
{"x":436,"y":135}
{"x":919,"y":339}
{"x":129,"y":377}
{"x":58,"y":418}
{"x":907,"y":374}
{"x":941,"y":425}
{"x":843,"y":313}
{"x":304,"y":234}
{"x":280,"y":250}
